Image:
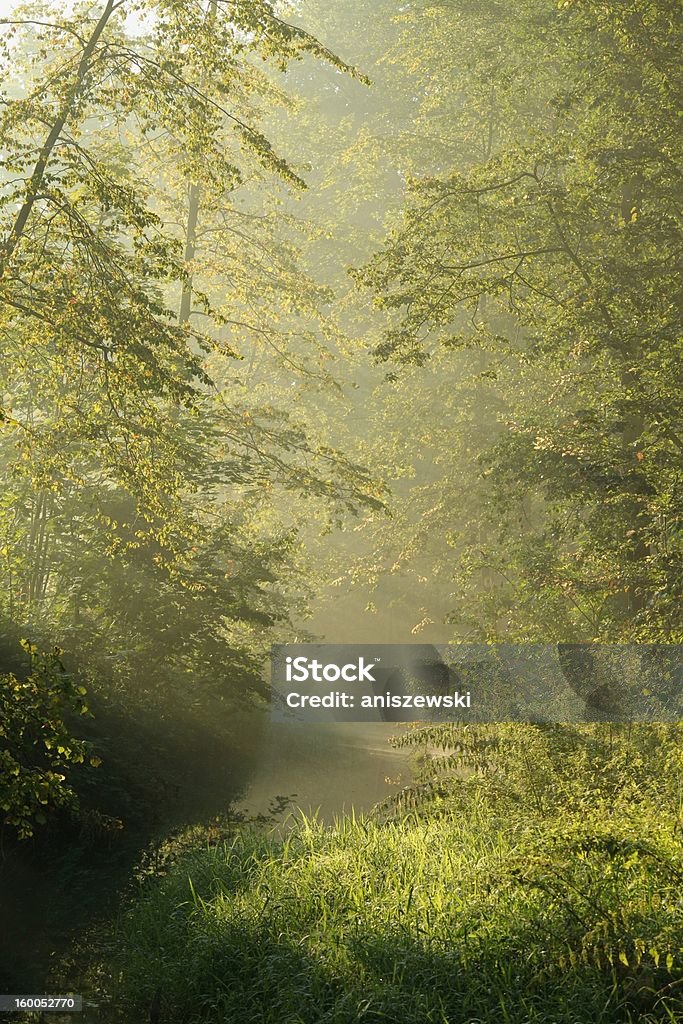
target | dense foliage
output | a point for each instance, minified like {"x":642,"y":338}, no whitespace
{"x":248,"y":293}
{"x":37,"y":749}
{"x":141,"y":518}
{"x":546,"y":253}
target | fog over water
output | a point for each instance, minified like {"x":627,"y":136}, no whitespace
{"x":334,"y":768}
{"x":328,"y":769}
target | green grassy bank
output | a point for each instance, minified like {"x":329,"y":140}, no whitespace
{"x":460,"y":917}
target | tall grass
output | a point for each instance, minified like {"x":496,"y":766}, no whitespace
{"x":459,"y":919}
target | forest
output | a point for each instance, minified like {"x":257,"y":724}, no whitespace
{"x":350,"y":323}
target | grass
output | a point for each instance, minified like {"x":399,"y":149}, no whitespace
{"x":455,"y":919}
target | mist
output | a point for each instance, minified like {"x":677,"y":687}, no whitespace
{"x":357,"y":325}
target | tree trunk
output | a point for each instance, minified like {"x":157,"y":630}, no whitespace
{"x":36,"y":180}
{"x":190,"y":249}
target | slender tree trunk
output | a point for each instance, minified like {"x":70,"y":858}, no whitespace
{"x":36,"y":516}
{"x":194,"y":198}
{"x":38,"y":549}
{"x":35,"y":182}
{"x":190,"y":249}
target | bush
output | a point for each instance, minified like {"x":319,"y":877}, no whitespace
{"x":37,"y":749}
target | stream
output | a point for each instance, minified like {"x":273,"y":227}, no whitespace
{"x":327,"y":769}
{"x":48,"y":899}
{"x":48,"y":902}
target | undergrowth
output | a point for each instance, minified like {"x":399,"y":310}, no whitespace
{"x":488,"y":910}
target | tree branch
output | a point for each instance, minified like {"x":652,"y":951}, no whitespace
{"x":36,"y":180}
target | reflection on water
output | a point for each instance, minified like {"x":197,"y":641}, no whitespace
{"x":331,"y":768}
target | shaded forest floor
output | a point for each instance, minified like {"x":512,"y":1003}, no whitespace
{"x":70,"y":877}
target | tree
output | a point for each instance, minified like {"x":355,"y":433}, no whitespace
{"x":550,"y":253}
{"x":126,"y":456}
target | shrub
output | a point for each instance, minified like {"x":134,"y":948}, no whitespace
{"x":37,"y":748}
